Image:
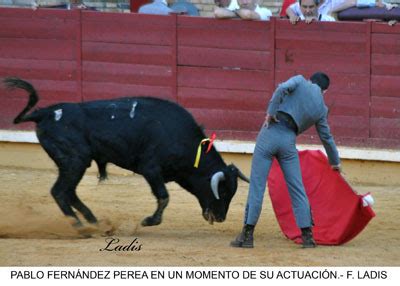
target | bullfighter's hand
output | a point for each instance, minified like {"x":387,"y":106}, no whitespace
{"x":337,"y":168}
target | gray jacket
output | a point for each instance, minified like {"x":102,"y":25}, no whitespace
{"x":304,"y":102}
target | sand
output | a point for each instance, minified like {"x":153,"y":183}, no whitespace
{"x":33,"y":231}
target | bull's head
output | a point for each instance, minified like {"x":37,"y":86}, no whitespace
{"x":223,"y":185}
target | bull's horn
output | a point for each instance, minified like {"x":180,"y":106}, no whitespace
{"x":216,"y":178}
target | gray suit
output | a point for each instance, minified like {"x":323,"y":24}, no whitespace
{"x":302,"y":103}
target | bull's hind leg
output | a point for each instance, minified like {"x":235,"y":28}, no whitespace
{"x":157,"y":185}
{"x":62,"y":192}
{"x":72,"y":157}
{"x":82,"y":208}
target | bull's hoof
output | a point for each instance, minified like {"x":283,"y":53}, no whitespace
{"x":150,"y":221}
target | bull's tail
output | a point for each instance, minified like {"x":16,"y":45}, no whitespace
{"x":14,"y":82}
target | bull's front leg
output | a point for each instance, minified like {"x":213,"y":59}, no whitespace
{"x":156,"y":218}
{"x":157,"y":185}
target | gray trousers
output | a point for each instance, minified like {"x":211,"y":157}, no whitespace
{"x":277,"y":141}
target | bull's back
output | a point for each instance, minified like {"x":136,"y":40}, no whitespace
{"x":125,"y":128}
{"x":140,"y":113}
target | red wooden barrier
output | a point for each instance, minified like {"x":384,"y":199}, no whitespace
{"x":342,"y":51}
{"x":128,"y":55}
{"x":42,"y":47}
{"x":223,"y":71}
{"x":385,"y":83}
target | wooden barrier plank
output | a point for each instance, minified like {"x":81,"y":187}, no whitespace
{"x":386,"y":128}
{"x":385,"y":107}
{"x":127,"y":73}
{"x":302,"y":60}
{"x":348,"y":43}
{"x":123,"y":28}
{"x":347,"y":105}
{"x":385,"y":64}
{"x":345,"y":42}
{"x":386,"y":86}
{"x":230,"y":34}
{"x":38,"y":69}
{"x":44,"y":49}
{"x":127,"y":53}
{"x":226,"y":24}
{"x":33,"y":15}
{"x":346,"y":126}
{"x":237,"y":40}
{"x":321,"y":45}
{"x":216,"y":119}
{"x":63,"y":29}
{"x":349,"y":126}
{"x":211,"y":57}
{"x":342,"y":37}
{"x":223,"y":99}
{"x":385,"y":43}
{"x":224,"y":79}
{"x":104,"y":90}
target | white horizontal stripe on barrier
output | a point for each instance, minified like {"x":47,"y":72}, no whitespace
{"x":243,"y":147}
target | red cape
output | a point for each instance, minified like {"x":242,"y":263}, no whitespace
{"x":338,"y":211}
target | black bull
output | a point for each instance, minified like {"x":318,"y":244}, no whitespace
{"x":152,"y":137}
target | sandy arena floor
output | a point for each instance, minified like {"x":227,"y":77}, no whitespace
{"x":34,"y":232}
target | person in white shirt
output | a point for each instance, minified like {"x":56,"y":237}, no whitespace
{"x":308,"y":11}
{"x":328,"y":7}
{"x":244,"y":9}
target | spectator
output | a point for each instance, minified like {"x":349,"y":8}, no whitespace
{"x":367,"y":3}
{"x":183,"y":7}
{"x":78,"y":4}
{"x":308,"y":11}
{"x":244,"y":9}
{"x":6,"y":2}
{"x":158,"y":7}
{"x":223,"y":3}
{"x":333,"y":6}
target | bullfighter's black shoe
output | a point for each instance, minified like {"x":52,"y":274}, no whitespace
{"x":245,"y":239}
{"x":307,"y":236}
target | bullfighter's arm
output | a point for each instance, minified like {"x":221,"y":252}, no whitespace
{"x":327,"y":140}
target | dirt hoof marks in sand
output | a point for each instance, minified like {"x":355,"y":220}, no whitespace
{"x":102,"y":228}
